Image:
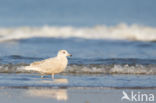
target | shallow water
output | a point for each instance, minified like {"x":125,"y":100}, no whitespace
{"x":70,"y":95}
{"x":68,"y":81}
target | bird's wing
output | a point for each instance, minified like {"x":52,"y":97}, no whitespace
{"x":46,"y":61}
{"x":37,"y":63}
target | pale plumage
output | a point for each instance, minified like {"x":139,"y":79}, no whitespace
{"x":51,"y":65}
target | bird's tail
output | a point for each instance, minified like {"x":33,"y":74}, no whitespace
{"x":31,"y":68}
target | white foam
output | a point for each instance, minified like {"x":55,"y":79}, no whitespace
{"x":89,"y":69}
{"x":119,"y":32}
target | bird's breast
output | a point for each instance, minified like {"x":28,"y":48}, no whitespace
{"x":64,"y":63}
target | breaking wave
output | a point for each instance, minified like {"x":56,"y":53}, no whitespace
{"x":112,"y":69}
{"x":89,"y":69}
{"x":120,"y":32}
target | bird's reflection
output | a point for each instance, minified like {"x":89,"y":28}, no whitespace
{"x":60,"y":81}
{"x":58,"y":94}
{"x":56,"y":81}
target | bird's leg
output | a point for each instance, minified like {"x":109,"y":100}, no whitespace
{"x":52,"y":75}
{"x":42,"y":76}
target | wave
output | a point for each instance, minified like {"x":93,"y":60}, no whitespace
{"x":119,"y":32}
{"x":112,"y":69}
{"x":89,"y":69}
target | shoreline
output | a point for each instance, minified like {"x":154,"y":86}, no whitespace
{"x":66,"y":87}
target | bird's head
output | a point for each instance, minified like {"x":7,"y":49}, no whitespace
{"x":63,"y":53}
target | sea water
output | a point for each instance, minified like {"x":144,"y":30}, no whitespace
{"x":97,"y":63}
{"x":111,"y":47}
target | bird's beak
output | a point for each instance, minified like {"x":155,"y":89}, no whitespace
{"x":70,"y":55}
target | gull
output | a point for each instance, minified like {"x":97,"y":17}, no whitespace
{"x":51,"y":66}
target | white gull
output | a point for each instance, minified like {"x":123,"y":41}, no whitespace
{"x":51,"y":65}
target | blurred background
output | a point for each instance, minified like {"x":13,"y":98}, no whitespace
{"x":94,"y":31}
{"x":76,"y":12}
{"x":111,"y":41}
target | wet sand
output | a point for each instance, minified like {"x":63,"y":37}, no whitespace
{"x":63,"y":95}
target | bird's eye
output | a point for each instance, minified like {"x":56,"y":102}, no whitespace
{"x":64,"y":52}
